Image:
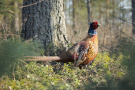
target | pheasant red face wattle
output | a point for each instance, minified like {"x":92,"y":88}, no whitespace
{"x":95,"y":25}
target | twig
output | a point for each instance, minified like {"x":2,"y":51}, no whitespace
{"x":10,"y":34}
{"x":128,"y":35}
{"x":31,"y":4}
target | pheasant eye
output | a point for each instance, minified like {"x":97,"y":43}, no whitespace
{"x":94,"y":25}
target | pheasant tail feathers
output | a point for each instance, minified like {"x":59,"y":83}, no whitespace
{"x":42,"y":58}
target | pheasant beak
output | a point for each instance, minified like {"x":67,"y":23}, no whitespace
{"x":99,"y":24}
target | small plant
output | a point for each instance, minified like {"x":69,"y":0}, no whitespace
{"x":12,"y":51}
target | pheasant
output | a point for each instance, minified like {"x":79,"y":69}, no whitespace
{"x":81,"y":53}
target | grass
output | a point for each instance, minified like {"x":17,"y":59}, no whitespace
{"x":113,"y":71}
{"x":102,"y":73}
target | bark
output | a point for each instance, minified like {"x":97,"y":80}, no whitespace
{"x":74,"y":11}
{"x":16,"y":17}
{"x":5,"y":26}
{"x":107,"y":11}
{"x":91,"y":10}
{"x":133,"y":16}
{"x":88,"y":10}
{"x":113,"y":3}
{"x":100,"y":12}
{"x":45,"y":20}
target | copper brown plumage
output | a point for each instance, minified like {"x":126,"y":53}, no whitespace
{"x":81,"y":53}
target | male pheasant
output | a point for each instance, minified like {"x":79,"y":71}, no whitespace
{"x":81,"y":53}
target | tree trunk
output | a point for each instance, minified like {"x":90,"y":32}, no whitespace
{"x":100,"y":12}
{"x":133,"y":16}
{"x":107,"y":12}
{"x":16,"y":17}
{"x":91,"y":11}
{"x":113,"y":3}
{"x":74,"y":14}
{"x":45,"y":21}
{"x":88,"y":10}
{"x":74,"y":19}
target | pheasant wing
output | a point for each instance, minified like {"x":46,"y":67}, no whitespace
{"x":80,"y":53}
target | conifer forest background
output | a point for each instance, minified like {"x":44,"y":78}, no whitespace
{"x":112,"y":69}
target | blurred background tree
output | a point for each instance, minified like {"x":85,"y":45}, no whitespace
{"x":10,"y":16}
{"x":114,"y":16}
{"x":133,"y":16}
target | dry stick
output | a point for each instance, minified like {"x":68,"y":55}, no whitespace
{"x":108,"y":48}
{"x":118,"y":43}
{"x":121,"y":19}
{"x":128,"y":35}
{"x":31,"y":4}
{"x":10,"y":34}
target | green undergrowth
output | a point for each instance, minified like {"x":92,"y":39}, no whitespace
{"x":108,"y":71}
{"x":12,"y":50}
{"x":104,"y":72}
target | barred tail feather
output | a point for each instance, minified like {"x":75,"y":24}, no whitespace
{"x":42,"y":58}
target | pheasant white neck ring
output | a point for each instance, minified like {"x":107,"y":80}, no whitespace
{"x":92,"y":32}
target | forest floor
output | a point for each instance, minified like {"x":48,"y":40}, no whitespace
{"x":109,"y":70}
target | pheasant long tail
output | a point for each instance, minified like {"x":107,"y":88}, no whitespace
{"x":42,"y":58}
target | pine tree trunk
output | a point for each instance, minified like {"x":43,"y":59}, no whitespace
{"x":88,"y":10}
{"x":113,"y":3}
{"x":16,"y":17}
{"x":133,"y":16}
{"x":100,"y":12}
{"x":45,"y":21}
{"x":91,"y":11}
{"x":107,"y":12}
{"x":74,"y":11}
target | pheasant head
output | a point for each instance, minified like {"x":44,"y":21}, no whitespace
{"x":92,"y":28}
